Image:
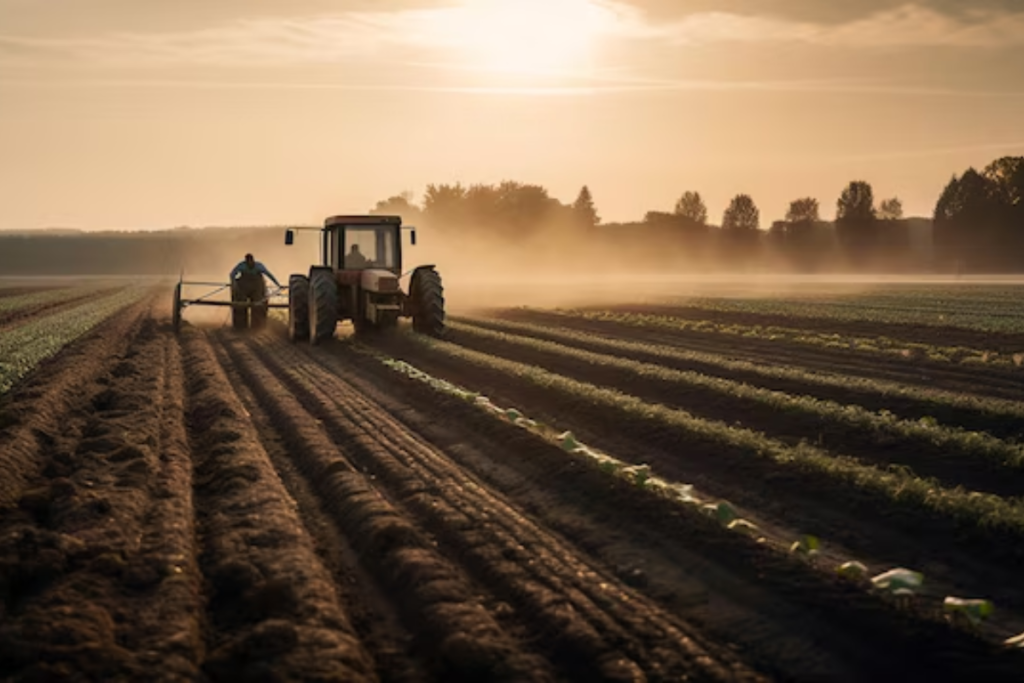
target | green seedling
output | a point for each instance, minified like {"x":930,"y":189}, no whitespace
{"x":897,"y":580}
{"x":974,"y":610}
{"x":807,"y":545}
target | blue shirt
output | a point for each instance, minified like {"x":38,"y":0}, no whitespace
{"x":259,"y":267}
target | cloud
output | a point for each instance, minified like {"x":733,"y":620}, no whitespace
{"x":439,"y":33}
{"x":906,"y":26}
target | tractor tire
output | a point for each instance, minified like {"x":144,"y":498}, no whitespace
{"x":427,"y":295}
{"x":323,"y":306}
{"x":239,"y":314}
{"x":298,"y":308}
{"x":176,"y":313}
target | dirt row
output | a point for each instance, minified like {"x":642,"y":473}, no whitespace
{"x":794,"y":622}
{"x":20,"y":316}
{"x":943,"y":335}
{"x":150,"y":538}
{"x":221,"y":507}
{"x":922,"y":455}
{"x":978,"y":561}
{"x":996,"y":382}
{"x":566,"y":618}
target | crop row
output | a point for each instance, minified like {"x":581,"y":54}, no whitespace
{"x":25,"y":346}
{"x":873,"y":344}
{"x":884,"y":427}
{"x":21,"y":301}
{"x":893,"y":488}
{"x":986,"y":410}
{"x":992,"y":316}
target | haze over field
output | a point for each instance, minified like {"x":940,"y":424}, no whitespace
{"x":119,"y":114}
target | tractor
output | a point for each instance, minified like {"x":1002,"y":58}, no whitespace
{"x":358,"y":280}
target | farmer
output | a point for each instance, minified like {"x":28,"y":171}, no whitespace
{"x":355,"y":259}
{"x":247,"y":285}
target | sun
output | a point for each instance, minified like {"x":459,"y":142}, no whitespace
{"x":530,"y":36}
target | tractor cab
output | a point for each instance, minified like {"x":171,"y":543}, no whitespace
{"x":358,"y":279}
{"x":361,"y":243}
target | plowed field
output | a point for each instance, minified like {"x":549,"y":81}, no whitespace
{"x":220,"y":506}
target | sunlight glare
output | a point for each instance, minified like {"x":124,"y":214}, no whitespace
{"x":528,"y":36}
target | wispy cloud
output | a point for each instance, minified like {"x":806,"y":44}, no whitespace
{"x":911,"y":25}
{"x":635,"y":86}
{"x":439,"y":33}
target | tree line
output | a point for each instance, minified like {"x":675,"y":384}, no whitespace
{"x":978,"y":225}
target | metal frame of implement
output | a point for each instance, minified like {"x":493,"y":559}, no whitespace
{"x":180,"y":304}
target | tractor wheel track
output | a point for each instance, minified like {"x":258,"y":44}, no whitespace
{"x":593,"y":627}
{"x":271,"y":604}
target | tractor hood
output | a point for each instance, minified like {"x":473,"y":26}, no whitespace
{"x":383,"y":281}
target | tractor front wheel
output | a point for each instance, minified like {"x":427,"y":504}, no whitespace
{"x":298,"y":308}
{"x":427,"y":295}
{"x":323,"y":306}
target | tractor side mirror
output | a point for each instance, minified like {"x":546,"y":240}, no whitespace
{"x":289,"y":237}
{"x":412,"y":237}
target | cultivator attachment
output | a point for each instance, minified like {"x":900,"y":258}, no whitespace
{"x":246,"y":312}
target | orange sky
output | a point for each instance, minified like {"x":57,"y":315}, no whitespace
{"x":130,"y":114}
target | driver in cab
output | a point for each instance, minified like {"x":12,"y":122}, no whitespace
{"x":355,"y":259}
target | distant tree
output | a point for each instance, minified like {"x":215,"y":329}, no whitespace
{"x":803,"y":211}
{"x":444,"y":205}
{"x":399,"y":205}
{"x":691,"y":206}
{"x":584,"y":210}
{"x":967,"y":222}
{"x":742,"y":216}
{"x":891,"y":209}
{"x":856,"y":222}
{"x":856,"y":204}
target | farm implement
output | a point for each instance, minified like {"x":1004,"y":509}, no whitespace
{"x":247,"y":312}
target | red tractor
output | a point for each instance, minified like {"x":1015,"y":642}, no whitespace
{"x":358,"y":280}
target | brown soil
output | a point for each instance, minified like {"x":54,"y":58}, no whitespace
{"x":229,"y":507}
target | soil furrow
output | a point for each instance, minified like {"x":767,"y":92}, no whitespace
{"x":101,"y":546}
{"x":29,"y":412}
{"x":588,"y":616}
{"x":464,"y":637}
{"x":373,"y":613}
{"x":796,"y":622}
{"x":870,"y":443}
{"x":272,"y":608}
{"x":973,"y":380}
{"x":980,"y":560}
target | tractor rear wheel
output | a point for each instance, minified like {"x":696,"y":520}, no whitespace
{"x":298,"y":308}
{"x":428,"y":303}
{"x":176,"y":313}
{"x":323,"y":306}
{"x":239,"y":314}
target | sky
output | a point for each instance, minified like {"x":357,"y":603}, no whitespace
{"x":138,"y":114}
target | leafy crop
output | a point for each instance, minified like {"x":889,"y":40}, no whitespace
{"x":886,"y":425}
{"x":898,"y":487}
{"x":23,"y":347}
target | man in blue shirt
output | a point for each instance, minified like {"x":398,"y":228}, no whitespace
{"x":248,"y":286}
{"x":252,"y":267}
